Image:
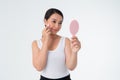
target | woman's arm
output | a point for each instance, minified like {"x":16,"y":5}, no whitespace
{"x":39,"y":56}
{"x":71,"y":49}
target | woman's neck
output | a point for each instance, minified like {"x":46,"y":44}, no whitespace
{"x":54,"y":36}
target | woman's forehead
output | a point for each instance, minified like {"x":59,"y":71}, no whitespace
{"x":56,"y":17}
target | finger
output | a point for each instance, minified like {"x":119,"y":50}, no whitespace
{"x":76,"y":46}
{"x":43,"y":30}
{"x":48,"y":30}
{"x":74,"y":37}
{"x":47,"y":25}
{"x":76,"y":43}
{"x":75,"y":40}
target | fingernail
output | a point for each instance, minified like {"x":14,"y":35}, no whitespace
{"x":48,"y":25}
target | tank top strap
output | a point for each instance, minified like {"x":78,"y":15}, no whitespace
{"x":39,"y":43}
{"x":62,"y":43}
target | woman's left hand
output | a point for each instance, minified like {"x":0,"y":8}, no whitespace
{"x":75,"y":44}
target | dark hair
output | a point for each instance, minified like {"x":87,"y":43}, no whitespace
{"x":52,"y":11}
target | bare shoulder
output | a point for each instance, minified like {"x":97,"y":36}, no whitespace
{"x":67,"y":40}
{"x":34,"y":43}
{"x":67,"y":47}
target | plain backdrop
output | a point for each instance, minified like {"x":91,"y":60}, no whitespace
{"x":21,"y":22}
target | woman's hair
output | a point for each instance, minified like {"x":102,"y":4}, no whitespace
{"x":52,"y":11}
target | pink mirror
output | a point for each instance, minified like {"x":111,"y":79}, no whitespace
{"x":74,"y":26}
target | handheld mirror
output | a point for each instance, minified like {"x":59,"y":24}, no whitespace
{"x":74,"y":26}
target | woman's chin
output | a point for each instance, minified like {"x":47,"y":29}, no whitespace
{"x":53,"y":33}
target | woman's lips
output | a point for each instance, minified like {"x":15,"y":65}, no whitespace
{"x":54,"y":29}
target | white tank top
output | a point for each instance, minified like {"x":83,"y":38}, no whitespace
{"x":55,"y":67}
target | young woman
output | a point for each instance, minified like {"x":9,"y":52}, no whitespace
{"x":54,"y":55}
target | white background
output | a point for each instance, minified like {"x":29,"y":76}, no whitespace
{"x":21,"y":22}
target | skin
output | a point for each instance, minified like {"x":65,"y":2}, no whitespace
{"x":49,"y":35}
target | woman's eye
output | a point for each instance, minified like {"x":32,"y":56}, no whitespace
{"x":60,"y":23}
{"x":54,"y":21}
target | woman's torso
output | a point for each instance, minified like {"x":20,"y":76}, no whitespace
{"x":55,"y":67}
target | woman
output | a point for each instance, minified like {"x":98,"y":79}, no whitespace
{"x":53,"y":54}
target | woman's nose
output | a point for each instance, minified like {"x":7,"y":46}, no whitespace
{"x":56,"y":25}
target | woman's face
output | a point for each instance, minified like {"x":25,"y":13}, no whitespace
{"x":54,"y":22}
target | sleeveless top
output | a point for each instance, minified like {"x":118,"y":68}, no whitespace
{"x":55,"y":67}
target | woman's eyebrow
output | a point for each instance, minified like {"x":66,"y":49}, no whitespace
{"x":61,"y":21}
{"x":56,"y":20}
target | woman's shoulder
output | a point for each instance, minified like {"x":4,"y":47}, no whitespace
{"x":67,"y":40}
{"x":34,"y":42}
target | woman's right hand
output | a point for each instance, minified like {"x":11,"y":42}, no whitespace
{"x":46,"y":34}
